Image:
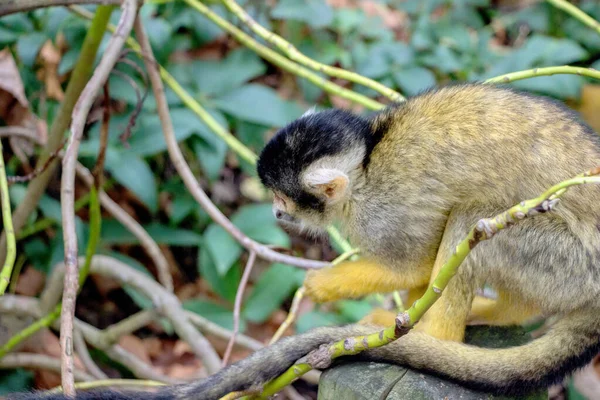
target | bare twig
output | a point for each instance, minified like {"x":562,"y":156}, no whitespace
{"x":117,"y":353}
{"x":211,"y":328}
{"x":22,"y":132}
{"x":14,"y":6}
{"x":112,"y":383}
{"x":238,"y":305}
{"x":98,"y":170}
{"x":291,"y":315}
{"x":166,"y":303}
{"x":37,"y":361}
{"x":39,"y":169}
{"x":128,"y":325}
{"x":67,"y":193}
{"x":188,"y":176}
{"x":146,"y":241}
{"x":84,"y":356}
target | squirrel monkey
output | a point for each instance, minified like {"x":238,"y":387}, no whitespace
{"x":407,"y":183}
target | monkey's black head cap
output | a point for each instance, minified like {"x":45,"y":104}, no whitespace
{"x":302,"y":142}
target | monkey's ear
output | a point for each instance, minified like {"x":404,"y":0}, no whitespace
{"x":330,"y":183}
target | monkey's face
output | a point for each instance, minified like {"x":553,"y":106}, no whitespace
{"x":322,"y":194}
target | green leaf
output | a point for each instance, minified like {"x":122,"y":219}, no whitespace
{"x":354,"y":310}
{"x":28,"y":46}
{"x":560,"y":86}
{"x":159,"y":31}
{"x":221,"y":247}
{"x":181,"y":206}
{"x":258,"y":223}
{"x":213,"y":312}
{"x":383,"y":58}
{"x":315,"y":319}
{"x":211,"y":155}
{"x":413,"y":80}
{"x":274,"y":286}
{"x":315,"y":13}
{"x":221,"y":76}
{"x":115,"y":233}
{"x":17,"y":380}
{"x":224,"y":285}
{"x":134,"y":174}
{"x":68,"y":60}
{"x":542,"y":50}
{"x":259,"y":104}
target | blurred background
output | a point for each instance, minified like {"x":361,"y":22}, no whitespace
{"x":406,"y":45}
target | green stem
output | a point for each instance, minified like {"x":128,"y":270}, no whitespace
{"x":283,"y":62}
{"x":532,"y":73}
{"x":11,"y":246}
{"x":292,"y":52}
{"x":576,"y":13}
{"x":30,"y":330}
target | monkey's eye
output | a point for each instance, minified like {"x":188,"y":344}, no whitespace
{"x":280,"y":200}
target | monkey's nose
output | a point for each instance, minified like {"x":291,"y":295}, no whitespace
{"x":278,"y":214}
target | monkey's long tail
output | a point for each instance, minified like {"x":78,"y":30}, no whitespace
{"x":571,"y":343}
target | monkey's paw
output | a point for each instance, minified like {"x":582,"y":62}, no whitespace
{"x":320,"y":286}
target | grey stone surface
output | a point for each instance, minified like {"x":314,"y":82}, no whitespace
{"x":358,"y":380}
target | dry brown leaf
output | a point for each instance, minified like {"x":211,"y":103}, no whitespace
{"x":136,"y":346}
{"x":181,"y":371}
{"x":392,"y":18}
{"x":50,"y":57}
{"x":182,"y":348}
{"x":153,"y":346}
{"x":10,"y":80}
{"x":31,"y":282}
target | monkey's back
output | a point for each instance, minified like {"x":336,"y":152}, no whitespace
{"x":484,"y":140}
{"x":489,"y":148}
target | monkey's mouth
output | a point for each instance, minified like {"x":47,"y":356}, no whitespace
{"x":286,"y":218}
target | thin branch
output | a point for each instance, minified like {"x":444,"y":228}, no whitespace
{"x":11,"y":250}
{"x":289,"y":320}
{"x":532,"y":73}
{"x":98,"y":170}
{"x":28,"y":331}
{"x":209,"y":327}
{"x":166,"y":303}
{"x":188,"y":176}
{"x":146,"y":241}
{"x":295,"y":55}
{"x":38,"y":361}
{"x":19,"y":131}
{"x":129,"y":325}
{"x":283,"y":62}
{"x":38,"y":169}
{"x":67,"y":192}
{"x":576,"y":13}
{"x":85,"y":357}
{"x":238,"y":305}
{"x":137,"y":366}
{"x":14,"y":6}
{"x":136,"y":383}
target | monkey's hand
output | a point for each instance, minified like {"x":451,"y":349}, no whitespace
{"x":352,"y":279}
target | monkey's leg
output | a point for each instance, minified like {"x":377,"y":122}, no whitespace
{"x":508,"y":309}
{"x":447,"y":318}
{"x":352,"y":279}
{"x":382,"y":317}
